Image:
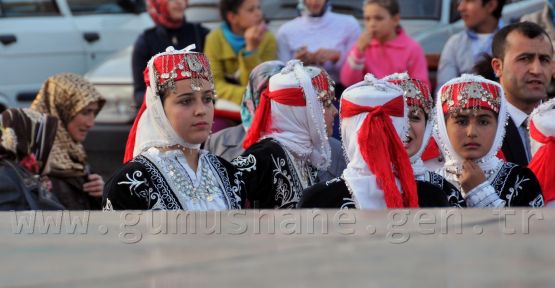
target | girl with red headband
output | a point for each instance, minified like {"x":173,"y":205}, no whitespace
{"x":168,"y":170}
{"x":470,"y":123}
{"x":379,"y":175}
{"x":542,"y":142}
{"x":288,"y":139}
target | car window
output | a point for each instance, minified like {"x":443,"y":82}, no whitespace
{"x":422,"y":9}
{"x":28,"y":8}
{"x":86,"y":7}
{"x":454,"y":14}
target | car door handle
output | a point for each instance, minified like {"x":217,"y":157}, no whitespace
{"x":8,"y":39}
{"x":91,"y":36}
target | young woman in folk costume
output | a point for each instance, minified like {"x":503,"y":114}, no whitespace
{"x":542,"y":142}
{"x":288,"y":139}
{"x":169,"y":170}
{"x":470,"y":123}
{"x":373,"y":119}
{"x":420,"y":103}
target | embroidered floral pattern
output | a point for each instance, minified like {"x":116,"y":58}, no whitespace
{"x":161,"y":196}
{"x":285,"y":184}
{"x":245,"y":163}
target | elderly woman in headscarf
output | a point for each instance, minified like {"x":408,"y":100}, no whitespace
{"x":26,"y":138}
{"x":172,"y":29}
{"x":75,"y":102}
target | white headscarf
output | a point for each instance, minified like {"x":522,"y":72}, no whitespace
{"x":302,"y":130}
{"x":542,"y":133}
{"x":360,"y":179}
{"x":544,"y":120}
{"x":453,"y":161}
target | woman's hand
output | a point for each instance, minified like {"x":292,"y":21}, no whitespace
{"x":472,"y":176}
{"x":325,"y":55}
{"x":363,"y":41}
{"x":253,"y":36}
{"x":306,"y":57}
{"x":95,"y":185}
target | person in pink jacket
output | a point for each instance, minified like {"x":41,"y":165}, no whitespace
{"x":384,"y":48}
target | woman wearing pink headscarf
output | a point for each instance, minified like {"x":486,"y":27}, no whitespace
{"x":172,"y":29}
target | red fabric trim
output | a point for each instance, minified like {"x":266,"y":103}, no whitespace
{"x":166,"y":63}
{"x":543,"y":164}
{"x":538,"y":135}
{"x":128,"y":155}
{"x":232,"y":115}
{"x":393,"y":108}
{"x":457,"y":88}
{"x":380,"y":147}
{"x":262,"y":120}
{"x":501,"y":155}
{"x":431,"y":151}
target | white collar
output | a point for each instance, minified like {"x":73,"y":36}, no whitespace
{"x":517,"y":115}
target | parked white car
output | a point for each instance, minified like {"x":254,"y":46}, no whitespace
{"x":39,"y":38}
{"x":430,"y":22}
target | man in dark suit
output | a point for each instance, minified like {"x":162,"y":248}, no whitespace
{"x":522,"y":59}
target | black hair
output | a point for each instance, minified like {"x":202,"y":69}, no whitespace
{"x":392,"y":6}
{"x":483,"y":67}
{"x":528,"y":29}
{"x":498,"y":10}
{"x":229,"y":6}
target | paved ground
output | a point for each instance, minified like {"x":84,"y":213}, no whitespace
{"x":398,"y":248}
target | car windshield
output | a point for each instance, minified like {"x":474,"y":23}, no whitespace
{"x":85,"y":7}
{"x":207,"y":10}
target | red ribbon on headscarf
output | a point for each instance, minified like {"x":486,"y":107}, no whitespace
{"x":380,"y":147}
{"x":128,"y":155}
{"x":158,"y":11}
{"x":543,"y":164}
{"x":262,"y":120}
